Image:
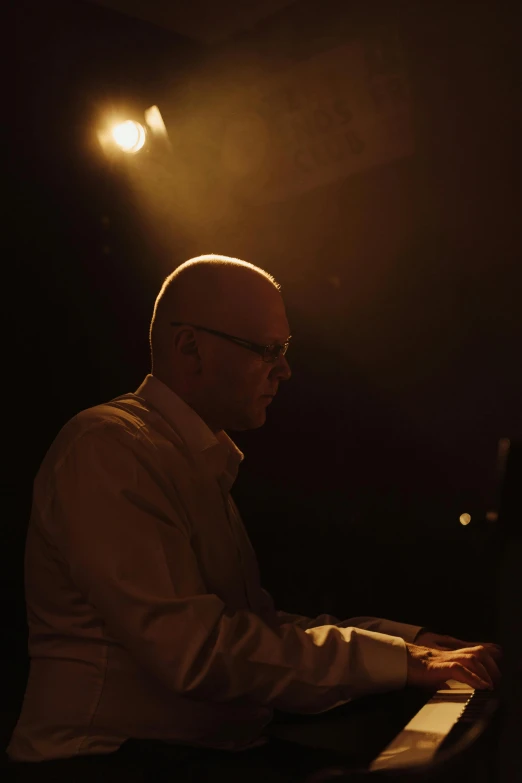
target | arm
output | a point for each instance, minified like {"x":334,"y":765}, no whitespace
{"x":280,"y":618}
{"x":121,"y":532}
{"x":402,"y":630}
{"x":431,"y":658}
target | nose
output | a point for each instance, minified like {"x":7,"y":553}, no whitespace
{"x":281,"y":370}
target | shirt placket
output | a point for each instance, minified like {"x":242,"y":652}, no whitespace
{"x":233,"y":525}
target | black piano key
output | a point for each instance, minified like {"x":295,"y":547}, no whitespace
{"x":480,"y":706}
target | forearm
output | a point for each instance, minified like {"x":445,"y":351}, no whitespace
{"x":198,"y":649}
{"x":303,"y":622}
{"x":242,"y":659}
{"x":380,"y":625}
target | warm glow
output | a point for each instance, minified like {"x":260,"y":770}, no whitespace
{"x":154,"y":120}
{"x":465,"y":519}
{"x":129,"y":136}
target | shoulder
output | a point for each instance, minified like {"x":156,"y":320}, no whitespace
{"x":122,"y":418}
{"x":125,"y":415}
{"x":125,"y":421}
{"x":110,"y":432}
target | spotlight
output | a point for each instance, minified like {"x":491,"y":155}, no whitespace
{"x":155,"y":122}
{"x":129,"y":136}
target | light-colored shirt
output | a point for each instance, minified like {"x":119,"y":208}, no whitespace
{"x":146,"y":614}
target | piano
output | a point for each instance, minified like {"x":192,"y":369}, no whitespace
{"x":456,"y":733}
{"x":444,"y":720}
{"x":395,"y":734}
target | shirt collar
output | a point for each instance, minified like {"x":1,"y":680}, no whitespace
{"x":219,"y":451}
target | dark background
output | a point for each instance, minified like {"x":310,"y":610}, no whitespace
{"x":405,"y":374}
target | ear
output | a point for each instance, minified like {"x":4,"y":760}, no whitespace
{"x":186,"y":343}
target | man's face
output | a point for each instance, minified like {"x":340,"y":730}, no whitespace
{"x":237,"y":384}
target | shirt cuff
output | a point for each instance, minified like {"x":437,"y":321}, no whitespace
{"x":404,"y":630}
{"x":380,"y":625}
{"x":389,"y":671}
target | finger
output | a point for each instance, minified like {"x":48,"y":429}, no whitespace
{"x":472,"y":659}
{"x":489,"y":662}
{"x":481,"y":670}
{"x":489,"y":655}
{"x":459,"y":644}
{"x":451,"y":643}
{"x":461,"y":673}
{"x":493,"y":649}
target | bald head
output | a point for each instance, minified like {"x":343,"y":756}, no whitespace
{"x":227,"y":383}
{"x":215,"y":291}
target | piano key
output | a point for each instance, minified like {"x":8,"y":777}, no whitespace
{"x":448,"y":713}
{"x":418,"y":742}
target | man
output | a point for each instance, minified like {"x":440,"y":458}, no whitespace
{"x":146,"y":616}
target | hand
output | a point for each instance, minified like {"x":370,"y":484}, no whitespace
{"x":431,"y":667}
{"x":436,"y":641}
{"x":439,"y":641}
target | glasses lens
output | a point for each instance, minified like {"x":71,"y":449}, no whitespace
{"x":273,"y":352}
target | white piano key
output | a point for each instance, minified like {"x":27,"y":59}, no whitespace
{"x":436,"y":718}
{"x":454,"y":685}
{"x":418,"y":742}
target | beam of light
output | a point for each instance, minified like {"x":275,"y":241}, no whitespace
{"x":465,"y":519}
{"x":155,"y":122}
{"x":129,"y":136}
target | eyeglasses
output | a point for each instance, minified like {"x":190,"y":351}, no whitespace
{"x":269,"y":353}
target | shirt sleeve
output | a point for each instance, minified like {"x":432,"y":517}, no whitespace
{"x":403,"y":630}
{"x":279,"y":618}
{"x":392,"y":628}
{"x":125,"y":541}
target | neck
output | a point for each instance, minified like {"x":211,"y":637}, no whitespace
{"x":180,"y":387}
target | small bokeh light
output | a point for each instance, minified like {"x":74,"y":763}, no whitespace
{"x":129,"y":136}
{"x":465,"y":519}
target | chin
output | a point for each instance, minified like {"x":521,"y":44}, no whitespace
{"x":252,"y":422}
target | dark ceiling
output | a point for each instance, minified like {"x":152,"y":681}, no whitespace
{"x":205,"y":21}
